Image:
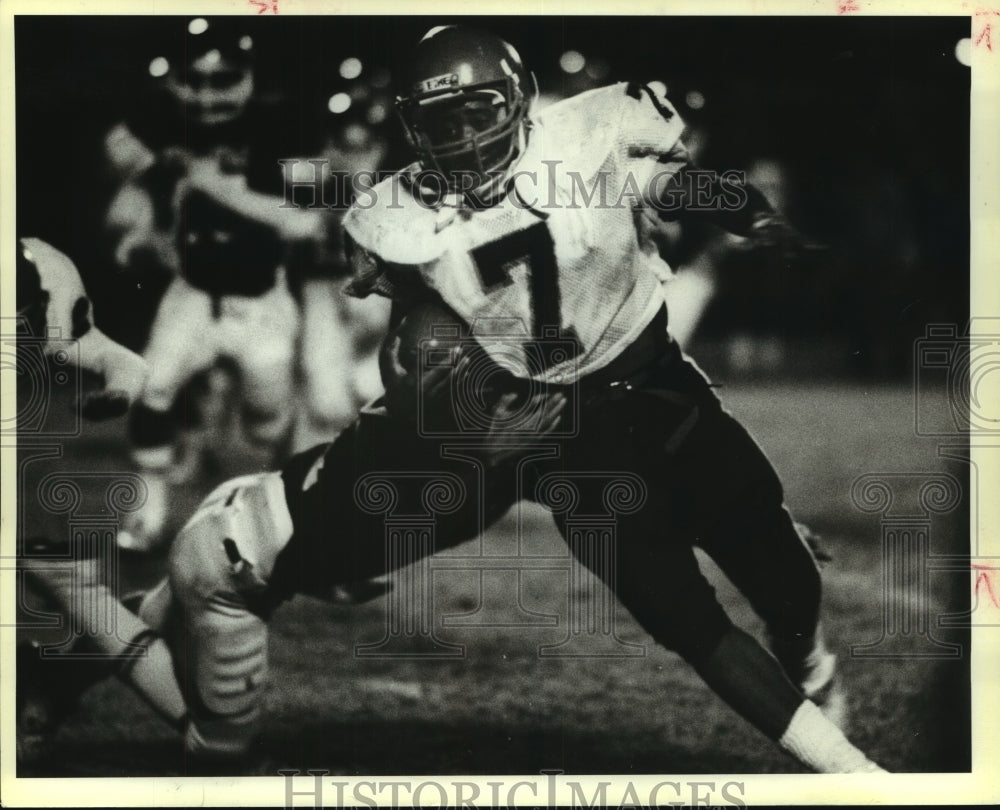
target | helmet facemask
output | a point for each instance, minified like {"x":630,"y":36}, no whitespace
{"x":469,"y":135}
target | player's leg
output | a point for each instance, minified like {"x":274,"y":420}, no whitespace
{"x":182,"y":343}
{"x":211,"y":612}
{"x":747,"y":530}
{"x":730,"y":498}
{"x":261,"y":335}
{"x":664,"y":430}
{"x":220,"y":566}
{"x":51,"y":678}
{"x":340,"y":526}
{"x":657,"y":578}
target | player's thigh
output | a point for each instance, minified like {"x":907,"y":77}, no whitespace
{"x":182,"y":342}
{"x":738,"y":514}
{"x":656,"y":576}
{"x":325,"y":355}
{"x":262,"y":337}
{"x":353,"y":500}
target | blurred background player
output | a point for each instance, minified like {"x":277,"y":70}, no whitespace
{"x":53,"y":308}
{"x":200,"y":203}
{"x":338,"y":358}
{"x":55,"y":324}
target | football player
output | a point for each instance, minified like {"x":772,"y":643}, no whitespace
{"x":53,"y":308}
{"x":527,"y":227}
{"x":207,"y":203}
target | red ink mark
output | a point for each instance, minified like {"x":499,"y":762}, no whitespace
{"x":847,"y":5}
{"x":983,"y":578}
{"x":985,"y":35}
{"x":264,"y":5}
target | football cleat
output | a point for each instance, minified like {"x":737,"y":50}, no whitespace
{"x":813,"y":670}
{"x":823,"y":687}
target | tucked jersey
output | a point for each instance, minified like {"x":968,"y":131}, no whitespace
{"x":557,"y":278}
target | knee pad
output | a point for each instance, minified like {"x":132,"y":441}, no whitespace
{"x":220,"y":565}
{"x":226,"y":551}
{"x":226,"y":677}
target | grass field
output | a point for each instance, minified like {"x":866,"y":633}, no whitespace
{"x":501,"y":708}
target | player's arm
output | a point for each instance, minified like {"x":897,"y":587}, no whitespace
{"x":674,"y":186}
{"x":725,"y":199}
{"x":123,"y":373}
{"x":231,"y":190}
{"x":126,"y":156}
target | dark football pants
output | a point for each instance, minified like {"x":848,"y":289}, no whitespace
{"x":652,"y":415}
{"x":708,"y":484}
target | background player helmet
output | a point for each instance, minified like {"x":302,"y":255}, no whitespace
{"x":207,"y":70}
{"x":465,"y":104}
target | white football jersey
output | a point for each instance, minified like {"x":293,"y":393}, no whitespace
{"x":557,"y":278}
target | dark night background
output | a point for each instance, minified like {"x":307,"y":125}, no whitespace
{"x":869,"y":117}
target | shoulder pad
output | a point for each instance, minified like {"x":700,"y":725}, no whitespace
{"x":588,"y":126}
{"x":653,"y":126}
{"x":390,"y":222}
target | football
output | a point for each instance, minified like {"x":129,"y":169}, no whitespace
{"x":426,"y":339}
{"x":430,"y":327}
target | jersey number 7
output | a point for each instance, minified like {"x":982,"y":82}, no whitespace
{"x":534,"y":247}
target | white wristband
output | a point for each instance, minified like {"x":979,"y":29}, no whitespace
{"x":815,"y":741}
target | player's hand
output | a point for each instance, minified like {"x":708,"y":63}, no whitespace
{"x":406,"y":389}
